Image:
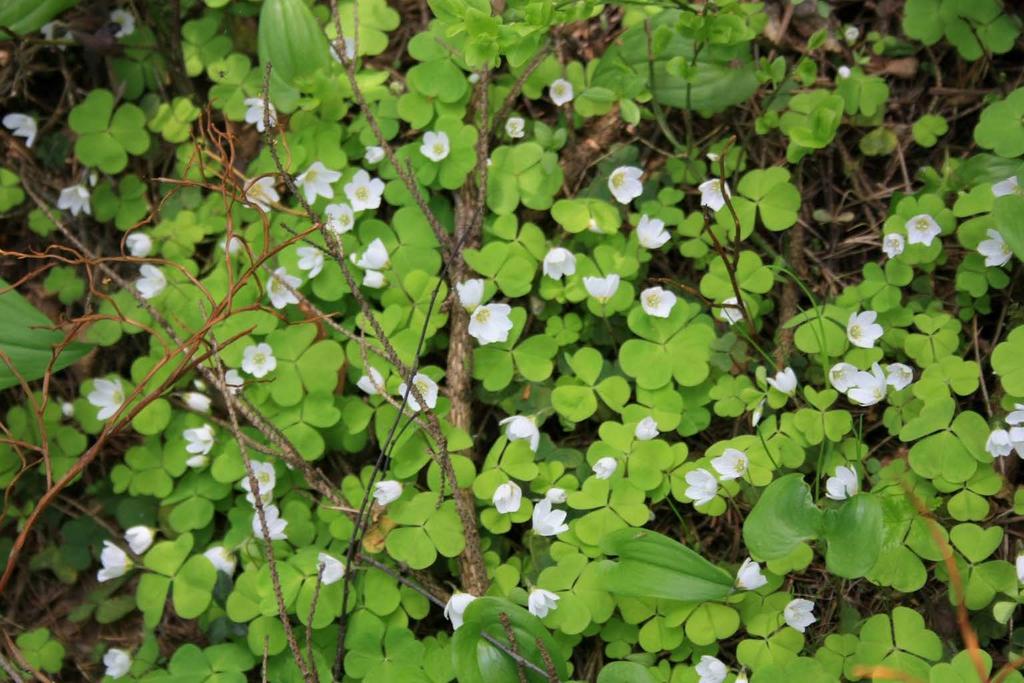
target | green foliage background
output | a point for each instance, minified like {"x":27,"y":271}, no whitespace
{"x":835,"y":128}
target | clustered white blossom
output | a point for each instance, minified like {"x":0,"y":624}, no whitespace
{"x":261,"y":484}
{"x":1003,"y":441}
{"x":869,"y":387}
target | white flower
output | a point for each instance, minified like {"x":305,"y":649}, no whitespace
{"x":868,"y":388}
{"x":372,"y":382}
{"x":711,"y":670}
{"x":200,"y":439}
{"x":515,"y":127}
{"x":843,"y":73}
{"x":998,"y":444}
{"x":152,"y":281}
{"x":1004,"y":187}
{"x":340,"y":218}
{"x":784,"y":381}
{"x":435,"y":145}
{"x":232,"y":246}
{"x":605,"y":467}
{"x":374,"y":279}
{"x":703,"y":487}
{"x":731,"y":311}
{"x":49,"y":31}
{"x":731,"y":464}
{"x":75,"y":199}
{"x":139,"y":538}
{"x":862,"y":330}
{"x":1017,"y":440}
{"x":540,"y":602}
{"x":799,"y":614}
{"x":899,"y":375}
{"x":115,"y":562}
{"x":1020,"y":567}
{"x":107,"y":395}
{"x":893,"y":244}
{"x":844,"y":484}
{"x":67,"y":409}
{"x":851,"y":33}
{"x":139,"y":244}
{"x":235,"y":381}
{"x":560,"y":91}
{"x":387,"y":491}
{"x":841,"y":376}
{"x":266,"y":480}
{"x":625,"y":185}
{"x":657,"y":302}
{"x":280,"y":285}
{"x":197,"y":462}
{"x":995,"y":249}
{"x":316,"y":181}
{"x":22,"y":126}
{"x":427,"y":388}
{"x":373,"y":154}
{"x":646,"y":429}
{"x":275,"y":525}
{"x":558,"y":262}
{"x":741,"y":678}
{"x":651,"y":232}
{"x":507,"y":498}
{"x":490,"y":323}
{"x":258,"y":360}
{"x":221,"y":559}
{"x":758,"y":412}
{"x":333,"y":569}
{"x":375,"y":257}
{"x":125,"y":22}
{"x":117,"y":661}
{"x":522,"y":428}
{"x":556,"y":495}
{"x":713,"y":193}
{"x":749,"y":576}
{"x":1016,"y":416}
{"x":262,"y":193}
{"x":922,"y":229}
{"x":311,"y":259}
{"x":602,"y":288}
{"x":456,"y":607}
{"x":256,"y":114}
{"x":470,"y":292}
{"x":350,"y":50}
{"x":364,"y":191}
{"x":548,"y":522}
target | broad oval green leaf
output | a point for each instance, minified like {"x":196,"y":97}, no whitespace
{"x":652,"y":565}
{"x":783,"y":517}
{"x":854,"y":536}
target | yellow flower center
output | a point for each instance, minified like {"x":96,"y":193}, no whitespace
{"x":259,"y":358}
{"x":362,"y":193}
{"x":482,"y":315}
{"x":438,"y":149}
{"x":855,"y":331}
{"x":653,"y":300}
{"x":618,"y":179}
